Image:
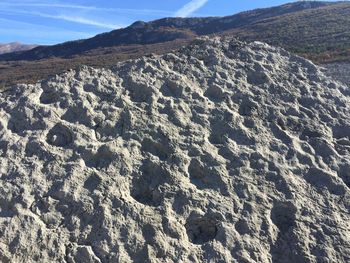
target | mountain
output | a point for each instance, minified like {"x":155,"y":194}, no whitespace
{"x":222,"y":152}
{"x":315,"y":30}
{"x":164,"y":30}
{"x":15,"y":47}
{"x":321,"y":34}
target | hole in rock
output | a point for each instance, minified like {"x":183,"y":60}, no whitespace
{"x":143,"y":193}
{"x":201,"y":230}
{"x":247,"y":108}
{"x":59,"y":136}
{"x":283,"y":215}
{"x":89,"y":87}
{"x":215,"y":94}
{"x":242,"y":227}
{"x":249,"y":122}
{"x":49,"y":97}
{"x":217,"y":139}
{"x":196,"y":169}
{"x":149,"y":233}
{"x":219,"y":133}
{"x":146,"y":188}
{"x":172,"y":89}
{"x":92,"y":182}
{"x":160,"y":149}
{"x":139,"y":92}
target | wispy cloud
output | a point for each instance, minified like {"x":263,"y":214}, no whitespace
{"x":190,"y":8}
{"x":69,"y":18}
{"x":89,"y":8}
{"x":80,"y":20}
{"x":14,"y":18}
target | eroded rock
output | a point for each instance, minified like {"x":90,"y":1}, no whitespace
{"x":224,"y":151}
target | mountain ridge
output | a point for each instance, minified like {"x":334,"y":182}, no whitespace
{"x":14,"y":47}
{"x":163,"y":30}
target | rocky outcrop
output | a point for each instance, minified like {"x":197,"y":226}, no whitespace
{"x":222,"y":152}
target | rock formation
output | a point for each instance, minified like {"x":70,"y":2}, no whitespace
{"x":221,"y":152}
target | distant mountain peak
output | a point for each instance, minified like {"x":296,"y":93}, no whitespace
{"x":14,"y":47}
{"x":138,"y":24}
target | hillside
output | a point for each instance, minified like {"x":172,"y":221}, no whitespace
{"x":162,"y":30}
{"x":224,"y":151}
{"x":321,"y":34}
{"x":315,"y":30}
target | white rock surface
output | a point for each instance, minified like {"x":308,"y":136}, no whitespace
{"x":222,"y":152}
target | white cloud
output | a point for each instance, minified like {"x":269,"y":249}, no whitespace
{"x":70,"y":18}
{"x":80,"y":20}
{"x":190,"y":8}
{"x":88,"y":8}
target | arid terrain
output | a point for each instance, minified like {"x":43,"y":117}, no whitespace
{"x":178,"y":140}
{"x":224,"y":151}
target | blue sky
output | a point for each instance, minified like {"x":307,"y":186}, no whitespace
{"x":55,"y":21}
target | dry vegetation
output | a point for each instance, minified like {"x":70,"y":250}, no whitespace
{"x":321,"y":34}
{"x":13,"y":72}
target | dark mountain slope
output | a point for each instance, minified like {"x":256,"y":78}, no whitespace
{"x":315,"y":33}
{"x":164,"y":30}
